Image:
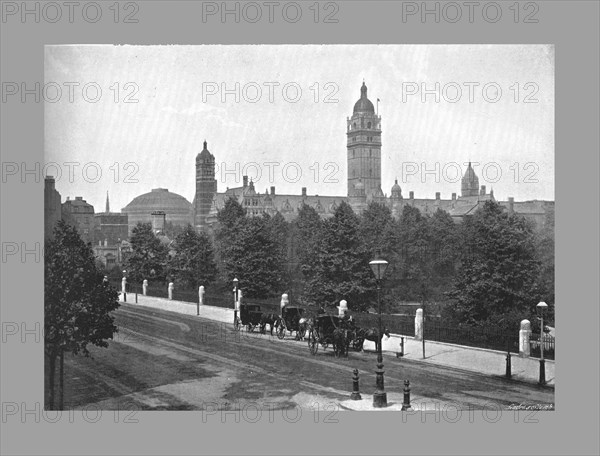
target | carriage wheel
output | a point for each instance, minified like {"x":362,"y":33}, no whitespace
{"x":249,"y":327}
{"x":237,"y":324}
{"x":281,"y":330}
{"x":313,"y":343}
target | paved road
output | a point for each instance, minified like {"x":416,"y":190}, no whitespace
{"x":167,"y":361}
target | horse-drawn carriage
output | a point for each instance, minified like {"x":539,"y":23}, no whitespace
{"x":329,"y":330}
{"x":250,"y":316}
{"x":290,"y":321}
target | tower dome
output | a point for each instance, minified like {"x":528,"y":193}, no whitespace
{"x":470,"y":183}
{"x":396,"y":190}
{"x":205,"y":155}
{"x":364,"y":104}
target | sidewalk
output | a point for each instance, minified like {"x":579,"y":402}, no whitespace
{"x":480,"y":360}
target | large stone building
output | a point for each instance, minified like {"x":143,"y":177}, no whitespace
{"x":80,"y":214}
{"x":110,"y":227}
{"x":363,"y":154}
{"x":178,"y":210}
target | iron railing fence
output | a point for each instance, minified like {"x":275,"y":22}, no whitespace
{"x":549,"y":346}
{"x":434,"y":330}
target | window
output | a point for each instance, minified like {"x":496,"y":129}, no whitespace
{"x":354,"y":126}
{"x":369,"y":125}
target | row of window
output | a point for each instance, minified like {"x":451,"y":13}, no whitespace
{"x":362,"y":125}
{"x":370,"y":153}
{"x":356,"y":138}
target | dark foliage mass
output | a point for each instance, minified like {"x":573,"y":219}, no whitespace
{"x":77,"y":301}
{"x":491,"y":269}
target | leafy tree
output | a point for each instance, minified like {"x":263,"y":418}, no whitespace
{"x":149,"y":255}
{"x":308,"y":233}
{"x":545,"y":255}
{"x":340,"y":264}
{"x":414,"y":258}
{"x":77,"y":304}
{"x":193,"y":263}
{"x":496,"y":281}
{"x":254,"y":257}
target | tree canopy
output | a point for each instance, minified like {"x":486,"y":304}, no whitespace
{"x":77,"y":303}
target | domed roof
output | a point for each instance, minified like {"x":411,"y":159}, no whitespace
{"x":470,"y":175}
{"x":159,"y":199}
{"x":396,"y":187}
{"x":205,"y":154}
{"x":364,"y":104}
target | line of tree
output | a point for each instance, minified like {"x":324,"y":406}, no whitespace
{"x":491,"y":269}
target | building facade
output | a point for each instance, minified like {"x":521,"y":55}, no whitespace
{"x":80,"y":214}
{"x":363,"y":153}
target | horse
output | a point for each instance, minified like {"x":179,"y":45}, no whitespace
{"x":373,"y":335}
{"x":304,"y":324}
{"x":271,"y":319}
{"x":340,"y":342}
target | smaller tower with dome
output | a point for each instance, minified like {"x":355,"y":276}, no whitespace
{"x":469,"y":183}
{"x":206,"y":185}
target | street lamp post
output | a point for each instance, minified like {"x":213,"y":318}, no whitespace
{"x":378,"y":266}
{"x":235,"y":303}
{"x":541,"y":308}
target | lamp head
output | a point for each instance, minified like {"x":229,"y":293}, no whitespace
{"x":378,"y":266}
{"x":235,"y":282}
{"x":541,"y":308}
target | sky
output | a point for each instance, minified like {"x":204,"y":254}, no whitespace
{"x":287,"y":127}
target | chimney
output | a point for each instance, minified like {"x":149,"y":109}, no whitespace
{"x":79,"y":198}
{"x":245,"y":181}
{"x":68,"y":198}
{"x":158,"y":221}
{"x":454,"y":197}
{"x":272,"y":190}
{"x":411,"y":195}
{"x":511,"y":205}
{"x":437,"y":195}
{"x":482,"y":193}
{"x":303,"y":191}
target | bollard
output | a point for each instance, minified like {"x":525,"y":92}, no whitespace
{"x":508,"y":361}
{"x":355,"y":396}
{"x":542,"y":380}
{"x":136,"y":297}
{"x":406,"y":405}
{"x":124,"y":297}
{"x":145,"y":287}
{"x":398,"y":355}
{"x":171,"y":286}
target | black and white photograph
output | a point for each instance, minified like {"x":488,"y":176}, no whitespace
{"x":338,"y":228}
{"x":299,"y":228}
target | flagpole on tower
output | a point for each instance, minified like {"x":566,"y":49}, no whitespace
{"x":377,"y":106}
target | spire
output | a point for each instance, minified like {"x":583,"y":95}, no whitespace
{"x":107,"y":203}
{"x":205,"y":145}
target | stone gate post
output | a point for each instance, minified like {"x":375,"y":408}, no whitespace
{"x":145,"y":287}
{"x":419,"y":324}
{"x":524,"y":334}
{"x":171,"y":286}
